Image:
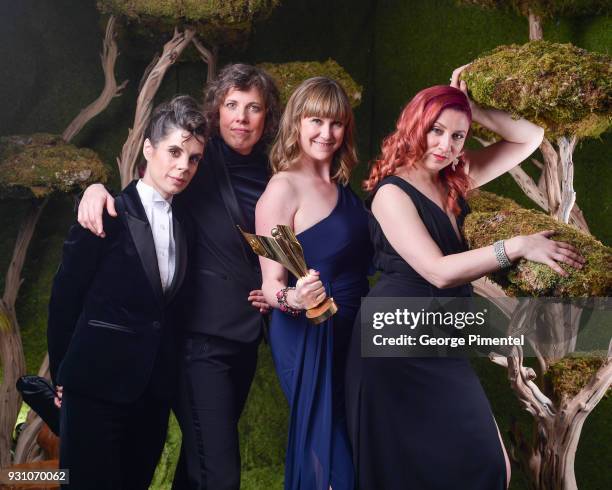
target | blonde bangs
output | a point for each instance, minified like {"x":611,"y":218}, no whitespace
{"x":326,"y":101}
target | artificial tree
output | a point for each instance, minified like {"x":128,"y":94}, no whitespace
{"x":571,"y":383}
{"x":566,"y":90}
{"x":536,"y":11}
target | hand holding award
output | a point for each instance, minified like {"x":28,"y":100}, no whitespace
{"x":284,"y":248}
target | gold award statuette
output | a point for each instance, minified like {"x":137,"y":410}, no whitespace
{"x":284,"y":248}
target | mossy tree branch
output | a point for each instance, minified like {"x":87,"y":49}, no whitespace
{"x":566,"y":90}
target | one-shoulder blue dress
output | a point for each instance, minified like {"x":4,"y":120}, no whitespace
{"x":310,"y":359}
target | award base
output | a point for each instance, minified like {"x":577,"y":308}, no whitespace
{"x":322,"y":312}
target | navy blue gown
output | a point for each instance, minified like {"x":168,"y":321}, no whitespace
{"x":419,"y":423}
{"x":310,"y":359}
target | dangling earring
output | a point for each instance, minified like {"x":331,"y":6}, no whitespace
{"x":454,"y":163}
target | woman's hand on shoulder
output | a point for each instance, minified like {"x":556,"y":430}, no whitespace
{"x":91,"y":208}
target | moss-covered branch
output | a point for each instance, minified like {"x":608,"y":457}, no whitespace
{"x":39,"y":164}
{"x":527,"y":278}
{"x":565,"y":89}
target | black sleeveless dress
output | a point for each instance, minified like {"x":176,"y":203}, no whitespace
{"x":419,"y":423}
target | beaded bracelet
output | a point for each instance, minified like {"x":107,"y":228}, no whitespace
{"x":281,"y":297}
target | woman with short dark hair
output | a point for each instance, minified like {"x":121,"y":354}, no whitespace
{"x":112,"y":315}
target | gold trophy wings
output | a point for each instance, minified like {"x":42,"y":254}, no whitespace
{"x":284,"y":248}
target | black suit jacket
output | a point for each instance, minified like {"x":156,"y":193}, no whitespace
{"x":110,"y":329}
{"x":224,"y":269}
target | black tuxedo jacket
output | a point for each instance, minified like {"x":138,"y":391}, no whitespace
{"x":224,"y":269}
{"x":110,"y":330}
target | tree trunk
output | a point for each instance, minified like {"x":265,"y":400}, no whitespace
{"x":568,"y":195}
{"x":110,"y":90}
{"x":558,"y":190}
{"x":144,"y":105}
{"x":535,"y":27}
{"x":13,"y":366}
{"x":27,"y":449}
{"x":547,"y":194}
{"x":209,"y":57}
{"x":549,"y":459}
{"x":11,"y":348}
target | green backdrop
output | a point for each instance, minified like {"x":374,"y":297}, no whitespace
{"x":49,"y":51}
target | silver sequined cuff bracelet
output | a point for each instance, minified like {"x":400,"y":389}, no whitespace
{"x":500,"y":254}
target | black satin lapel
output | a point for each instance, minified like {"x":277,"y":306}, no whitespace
{"x":143,"y":240}
{"x":231,"y":204}
{"x":180,"y":246}
{"x":129,"y":205}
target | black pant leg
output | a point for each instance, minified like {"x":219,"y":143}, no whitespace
{"x":216,"y":375}
{"x":242,"y":373}
{"x":108,"y":446}
{"x":143,"y":441}
{"x":90,"y":436}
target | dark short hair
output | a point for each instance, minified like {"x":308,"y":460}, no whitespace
{"x":182,"y":112}
{"x":242,"y":77}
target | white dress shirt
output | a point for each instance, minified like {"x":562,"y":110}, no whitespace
{"x":159,"y":214}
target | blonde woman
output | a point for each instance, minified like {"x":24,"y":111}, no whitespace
{"x":312,"y":159}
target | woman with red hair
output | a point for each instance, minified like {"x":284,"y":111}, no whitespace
{"x":425,"y":423}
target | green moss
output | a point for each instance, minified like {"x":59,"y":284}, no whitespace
{"x":487,"y":202}
{"x":570,"y":374}
{"x":164,"y":474}
{"x":219,"y":22}
{"x":528,"y":278}
{"x":544,"y":8}
{"x":565,"y":89}
{"x":39,"y":164}
{"x":289,"y":75}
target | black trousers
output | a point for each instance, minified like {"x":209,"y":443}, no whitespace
{"x":215,"y":376}
{"x":108,"y":446}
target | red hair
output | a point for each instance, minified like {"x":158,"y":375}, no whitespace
{"x":408,"y":143}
